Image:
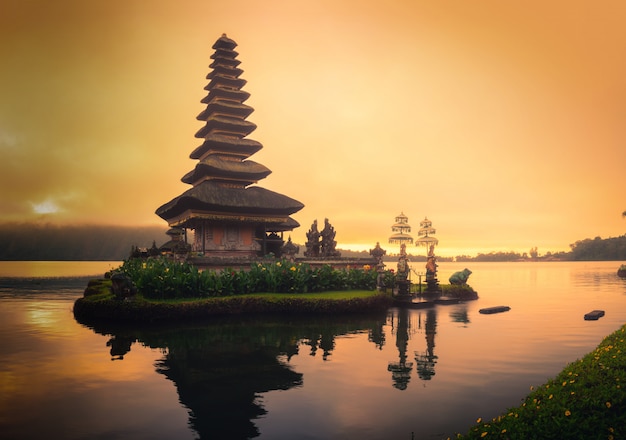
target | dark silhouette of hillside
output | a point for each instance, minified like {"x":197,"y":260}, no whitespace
{"x":49,"y":242}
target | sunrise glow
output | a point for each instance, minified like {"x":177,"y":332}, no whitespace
{"x":500,"y":121}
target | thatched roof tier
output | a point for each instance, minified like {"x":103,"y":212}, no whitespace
{"x":211,"y":197}
{"x":225,"y":43}
{"x":289,"y":225}
{"x":191,"y":219}
{"x":215,"y":143}
{"x":246,"y":171}
{"x":223,"y":93}
{"x":223,"y":69}
{"x":224,"y":62}
{"x":221,"y":53}
{"x":226,"y":124}
{"x":225,"y":107}
{"x":226,"y":82}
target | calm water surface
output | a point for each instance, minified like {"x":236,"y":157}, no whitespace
{"x":428,"y":373}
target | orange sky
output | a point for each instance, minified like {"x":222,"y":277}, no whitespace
{"x":502,"y":122}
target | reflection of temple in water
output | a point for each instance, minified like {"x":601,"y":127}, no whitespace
{"x":405,"y":325}
{"x":219,"y":382}
{"x":426,"y":360}
{"x":120,"y":345}
{"x":401,"y":370}
{"x":221,"y":369}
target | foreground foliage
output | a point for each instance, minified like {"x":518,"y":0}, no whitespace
{"x":161,"y":278}
{"x":585,"y":401}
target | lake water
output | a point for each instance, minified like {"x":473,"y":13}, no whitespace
{"x":402,"y":374}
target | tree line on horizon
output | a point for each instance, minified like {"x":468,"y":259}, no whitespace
{"x":49,"y":242}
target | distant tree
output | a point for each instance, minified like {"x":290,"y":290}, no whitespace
{"x":33,"y":241}
{"x":608,"y":249}
{"x":533,"y":253}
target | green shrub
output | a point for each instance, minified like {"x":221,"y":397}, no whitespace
{"x":585,"y":401}
{"x":161,"y":278}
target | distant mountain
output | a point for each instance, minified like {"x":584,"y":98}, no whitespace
{"x":49,"y":242}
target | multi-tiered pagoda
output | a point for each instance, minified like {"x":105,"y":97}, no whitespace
{"x":230,"y":216}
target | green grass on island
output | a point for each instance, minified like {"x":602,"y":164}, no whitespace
{"x":160,"y":289}
{"x":585,"y":401}
{"x":100,"y":304}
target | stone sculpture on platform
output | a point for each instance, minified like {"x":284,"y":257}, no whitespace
{"x":461,"y":277}
{"x":402,"y":276}
{"x":328,"y":243}
{"x":324,"y":248}
{"x":313,"y":241}
{"x":432,"y":283}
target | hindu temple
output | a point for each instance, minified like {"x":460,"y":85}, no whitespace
{"x":229,"y":214}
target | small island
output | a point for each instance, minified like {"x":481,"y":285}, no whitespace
{"x":237,"y":260}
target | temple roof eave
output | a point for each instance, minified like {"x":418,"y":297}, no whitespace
{"x":224,"y":123}
{"x":211,"y":197}
{"x":193,"y":218}
{"x":246,"y":170}
{"x":218,"y":143}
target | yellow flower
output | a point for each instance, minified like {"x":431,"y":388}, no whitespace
{"x":503,"y":431}
{"x":478,"y":420}
{"x":278,"y":263}
{"x":532,"y":388}
{"x":292,"y":268}
{"x":550,"y":397}
{"x":484,"y":434}
{"x":564,"y":383}
{"x":608,"y":404}
{"x":568,"y":413}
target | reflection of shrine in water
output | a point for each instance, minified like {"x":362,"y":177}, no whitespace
{"x":426,"y":360}
{"x":220,"y":369}
{"x":401,"y":370}
{"x":405,"y":324}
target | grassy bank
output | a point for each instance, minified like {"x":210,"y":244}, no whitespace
{"x":585,"y":401}
{"x":99,"y":304}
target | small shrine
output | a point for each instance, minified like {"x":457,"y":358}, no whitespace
{"x":378,"y":253}
{"x":401,"y":236}
{"x":229,"y":215}
{"x":427,"y":240}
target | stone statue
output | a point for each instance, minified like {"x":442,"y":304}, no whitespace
{"x":459,"y":278}
{"x":432,"y":284}
{"x":313,"y":243}
{"x":122,"y":286}
{"x":328,"y":241}
{"x":403,"y":264}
